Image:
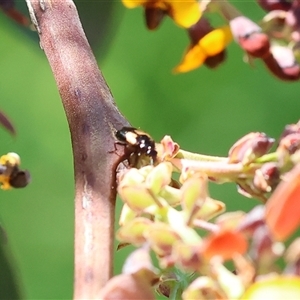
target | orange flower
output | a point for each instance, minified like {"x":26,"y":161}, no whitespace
{"x":209,"y":46}
{"x":225,"y":243}
{"x":185,"y":12}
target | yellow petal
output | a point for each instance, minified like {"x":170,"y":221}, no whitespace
{"x":216,"y":41}
{"x":184,"y":12}
{"x":10,"y":159}
{"x":4,"y":182}
{"x":134,"y":3}
{"x":193,"y":59}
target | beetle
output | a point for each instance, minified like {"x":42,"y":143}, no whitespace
{"x":137,"y":142}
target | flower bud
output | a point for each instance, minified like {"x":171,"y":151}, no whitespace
{"x":161,"y":238}
{"x":250,"y":37}
{"x":256,"y":44}
{"x":242,"y":27}
{"x":267,"y":177}
{"x":159,"y":177}
{"x":133,"y":231}
{"x":289,"y":142}
{"x":214,"y":61}
{"x":250,"y":147}
{"x":284,"y":56}
{"x":282,"y":63}
{"x":167,"y":148}
{"x":288,"y":146}
{"x":194,"y":194}
{"x":199,"y":30}
{"x":127,"y":215}
{"x":153,"y":17}
{"x":248,"y":189}
{"x":203,"y":287}
{"x":289,"y":129}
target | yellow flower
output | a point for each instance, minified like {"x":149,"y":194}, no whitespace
{"x":210,"y":45}
{"x":8,"y":163}
{"x":10,"y":174}
{"x":184,"y":12}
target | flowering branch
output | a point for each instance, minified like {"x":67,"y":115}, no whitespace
{"x":275,"y":40}
{"x":163,"y":215}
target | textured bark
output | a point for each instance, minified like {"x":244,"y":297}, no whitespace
{"x":92,"y":117}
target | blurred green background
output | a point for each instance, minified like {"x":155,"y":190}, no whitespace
{"x":205,"y":111}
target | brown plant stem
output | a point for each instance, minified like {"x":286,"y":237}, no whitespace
{"x":92,"y":117}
